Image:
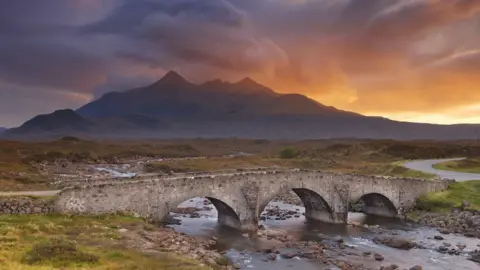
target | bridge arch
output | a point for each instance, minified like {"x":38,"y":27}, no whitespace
{"x":230,"y":204}
{"x":315,"y":203}
{"x":226,"y":215}
{"x":316,"y":208}
{"x":378,"y":204}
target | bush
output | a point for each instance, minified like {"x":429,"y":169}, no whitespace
{"x":288,"y":153}
{"x":59,"y":252}
{"x":162,"y":168}
{"x":223,"y":261}
{"x":69,"y":139}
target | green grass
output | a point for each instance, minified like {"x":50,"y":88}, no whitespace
{"x":452,"y":197}
{"x":469,"y":165}
{"x":41,"y":242}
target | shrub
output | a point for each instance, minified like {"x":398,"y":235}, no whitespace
{"x":59,"y":252}
{"x":288,"y":153}
{"x":69,"y":139}
{"x":162,"y":168}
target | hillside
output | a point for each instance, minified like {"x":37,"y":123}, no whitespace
{"x":176,"y":108}
{"x":59,"y":121}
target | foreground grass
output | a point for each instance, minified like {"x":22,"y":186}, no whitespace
{"x":469,"y":165}
{"x":39,"y":242}
{"x":452,"y":197}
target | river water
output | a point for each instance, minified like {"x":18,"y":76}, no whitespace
{"x":242,"y":250}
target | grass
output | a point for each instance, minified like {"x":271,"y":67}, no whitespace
{"x":360,"y":167}
{"x":40,"y":242}
{"x":452,"y":197}
{"x":20,"y":161}
{"x":394,"y":169}
{"x":469,"y":165}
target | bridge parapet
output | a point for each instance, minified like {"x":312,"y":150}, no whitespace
{"x":240,"y":196}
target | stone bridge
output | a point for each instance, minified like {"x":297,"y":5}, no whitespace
{"x":241,"y":196}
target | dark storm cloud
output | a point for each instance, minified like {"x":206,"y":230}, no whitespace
{"x":127,"y":18}
{"x":48,"y":64}
{"x":214,"y":33}
{"x":339,"y":52}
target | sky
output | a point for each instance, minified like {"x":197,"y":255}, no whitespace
{"x":409,"y":60}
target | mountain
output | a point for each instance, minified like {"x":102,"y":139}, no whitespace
{"x":2,"y":129}
{"x":59,"y":121}
{"x":68,"y":122}
{"x":174,"y":98}
{"x":176,"y":108}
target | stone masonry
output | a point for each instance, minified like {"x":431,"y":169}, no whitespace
{"x":240,"y":197}
{"x":25,"y":205}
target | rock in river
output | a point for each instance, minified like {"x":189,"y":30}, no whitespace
{"x":396,"y":243}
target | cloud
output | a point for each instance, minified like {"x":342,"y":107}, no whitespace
{"x":213,"y":33}
{"x":395,"y":58}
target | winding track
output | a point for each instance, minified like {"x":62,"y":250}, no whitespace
{"x":427,"y":167}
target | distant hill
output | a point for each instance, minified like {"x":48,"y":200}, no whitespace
{"x":59,"y":121}
{"x":176,"y":108}
{"x":2,"y":129}
{"x":68,"y":122}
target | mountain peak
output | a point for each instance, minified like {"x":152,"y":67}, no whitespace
{"x":172,"y":77}
{"x":247,"y":85}
{"x":247,"y":81}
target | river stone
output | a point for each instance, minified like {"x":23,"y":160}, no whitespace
{"x":475,"y":256}
{"x":395,"y":243}
{"x":390,"y":267}
{"x":288,"y":255}
{"x":378,"y":257}
{"x":416,"y":267}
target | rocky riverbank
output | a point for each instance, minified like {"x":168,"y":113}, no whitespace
{"x":456,"y":221}
{"x":276,"y":244}
{"x":154,"y":239}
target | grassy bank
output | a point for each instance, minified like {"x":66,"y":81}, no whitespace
{"x":38,"y":242}
{"x":469,"y":165}
{"x":452,"y":197}
{"x":347,"y":166}
{"x":29,"y":165}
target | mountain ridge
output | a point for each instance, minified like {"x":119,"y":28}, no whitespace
{"x":173,"y":107}
{"x":209,"y":100}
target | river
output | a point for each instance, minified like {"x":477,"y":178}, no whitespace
{"x":242,"y":250}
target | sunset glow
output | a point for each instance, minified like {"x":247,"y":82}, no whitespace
{"x":405,"y":60}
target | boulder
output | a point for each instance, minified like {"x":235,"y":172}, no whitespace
{"x":398,"y":243}
{"x":378,"y":257}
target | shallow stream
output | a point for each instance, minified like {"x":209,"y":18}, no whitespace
{"x":242,"y":250}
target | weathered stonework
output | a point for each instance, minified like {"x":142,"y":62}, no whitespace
{"x":25,"y":205}
{"x":241,"y":197}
